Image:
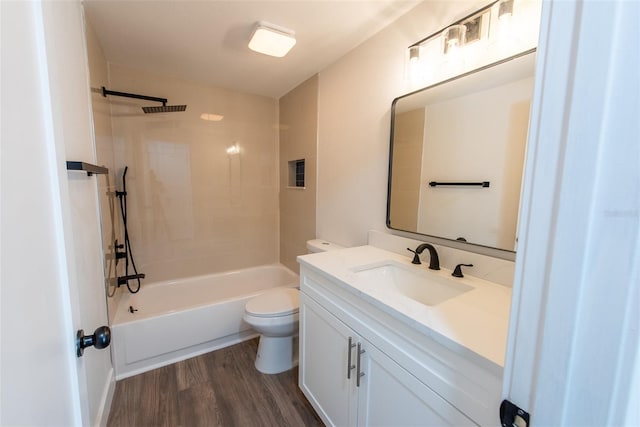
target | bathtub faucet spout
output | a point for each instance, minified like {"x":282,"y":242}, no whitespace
{"x":122,"y":280}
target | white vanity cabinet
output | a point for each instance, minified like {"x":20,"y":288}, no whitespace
{"x":351,"y":382}
{"x":405,"y":377}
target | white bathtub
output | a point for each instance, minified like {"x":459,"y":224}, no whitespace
{"x":179,"y":319}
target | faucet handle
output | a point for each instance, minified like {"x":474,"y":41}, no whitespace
{"x":416,"y":257}
{"x":457,"y":272}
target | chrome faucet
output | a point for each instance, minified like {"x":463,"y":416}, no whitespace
{"x":434,"y":261}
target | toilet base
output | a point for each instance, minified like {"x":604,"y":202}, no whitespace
{"x":277,"y":354}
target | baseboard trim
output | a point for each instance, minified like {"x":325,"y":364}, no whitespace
{"x":107,"y":397}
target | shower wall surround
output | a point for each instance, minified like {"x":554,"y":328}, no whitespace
{"x":202,"y":184}
{"x":298,"y":112}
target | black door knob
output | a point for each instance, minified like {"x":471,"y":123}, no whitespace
{"x":100,"y":339}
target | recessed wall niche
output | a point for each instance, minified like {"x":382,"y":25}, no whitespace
{"x":296,"y":173}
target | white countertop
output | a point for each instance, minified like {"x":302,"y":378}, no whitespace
{"x":477,"y":320}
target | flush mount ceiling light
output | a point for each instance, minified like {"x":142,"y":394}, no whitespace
{"x":272,"y":40}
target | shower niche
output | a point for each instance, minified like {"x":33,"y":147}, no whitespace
{"x":296,"y":173}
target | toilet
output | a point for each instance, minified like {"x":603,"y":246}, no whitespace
{"x":274,"y":314}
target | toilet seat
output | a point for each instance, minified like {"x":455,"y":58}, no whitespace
{"x":274,"y":303}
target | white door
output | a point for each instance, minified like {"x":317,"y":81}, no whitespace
{"x":573,"y":355}
{"x":325,"y":355}
{"x":67,"y":65}
{"x":52,"y":281}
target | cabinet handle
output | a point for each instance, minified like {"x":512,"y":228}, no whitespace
{"x":349,"y":365}
{"x":359,"y":374}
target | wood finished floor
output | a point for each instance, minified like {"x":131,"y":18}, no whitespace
{"x":221,"y":388}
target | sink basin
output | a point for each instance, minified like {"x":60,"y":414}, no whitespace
{"x":421,"y":286}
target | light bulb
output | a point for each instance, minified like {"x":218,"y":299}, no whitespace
{"x":505,"y":17}
{"x":453,"y":38}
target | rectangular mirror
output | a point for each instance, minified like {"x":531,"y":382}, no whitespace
{"x":457,"y":153}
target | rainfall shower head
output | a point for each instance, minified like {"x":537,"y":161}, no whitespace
{"x":147,"y":110}
{"x":164,"y":109}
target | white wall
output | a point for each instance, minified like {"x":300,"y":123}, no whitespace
{"x":355,"y":96}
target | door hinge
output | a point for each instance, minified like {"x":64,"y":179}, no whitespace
{"x":513,"y":416}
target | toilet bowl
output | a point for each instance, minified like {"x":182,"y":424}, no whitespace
{"x":274,"y":315}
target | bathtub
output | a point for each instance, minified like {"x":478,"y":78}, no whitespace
{"x":179,"y":319}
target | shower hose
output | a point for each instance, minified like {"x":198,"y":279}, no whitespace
{"x":122,"y":195}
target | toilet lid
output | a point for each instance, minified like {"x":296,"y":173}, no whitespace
{"x":276,"y":302}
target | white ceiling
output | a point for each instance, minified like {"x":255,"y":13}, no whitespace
{"x":206,"y":41}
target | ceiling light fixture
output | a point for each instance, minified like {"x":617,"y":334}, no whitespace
{"x":272,"y":40}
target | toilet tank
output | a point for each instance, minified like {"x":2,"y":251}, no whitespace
{"x":319,"y":245}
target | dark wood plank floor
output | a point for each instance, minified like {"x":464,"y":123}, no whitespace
{"x":221,"y":388}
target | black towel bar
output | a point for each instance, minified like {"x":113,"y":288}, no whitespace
{"x":86,"y":167}
{"x":465,"y":184}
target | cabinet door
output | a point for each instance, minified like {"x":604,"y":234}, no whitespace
{"x":324,"y":353}
{"x":390,"y":396}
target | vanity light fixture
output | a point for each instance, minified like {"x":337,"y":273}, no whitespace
{"x":505,"y":9}
{"x":500,"y":29}
{"x":505,"y":14}
{"x":415,"y":66}
{"x":272,"y":40}
{"x":453,"y":37}
{"x":414,"y":54}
